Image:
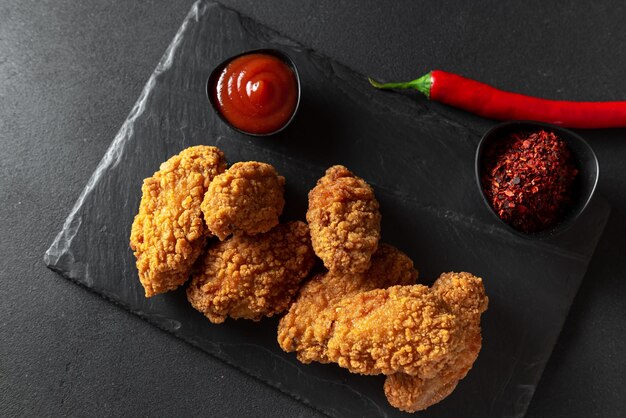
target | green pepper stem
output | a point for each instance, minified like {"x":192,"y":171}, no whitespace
{"x":422,"y":84}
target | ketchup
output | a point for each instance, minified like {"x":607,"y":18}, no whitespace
{"x":256,"y":93}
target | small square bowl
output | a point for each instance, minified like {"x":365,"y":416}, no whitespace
{"x":584,"y":184}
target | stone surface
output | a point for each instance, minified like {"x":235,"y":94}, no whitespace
{"x":420,"y":163}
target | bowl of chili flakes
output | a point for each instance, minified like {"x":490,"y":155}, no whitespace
{"x":535,"y":178}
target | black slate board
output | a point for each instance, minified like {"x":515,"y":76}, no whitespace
{"x":420,"y":164}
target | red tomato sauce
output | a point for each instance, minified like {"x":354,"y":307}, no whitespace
{"x":256,"y":93}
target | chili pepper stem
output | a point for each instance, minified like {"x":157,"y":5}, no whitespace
{"x":422,"y":84}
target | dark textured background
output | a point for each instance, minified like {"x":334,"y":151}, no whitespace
{"x":69,"y":74}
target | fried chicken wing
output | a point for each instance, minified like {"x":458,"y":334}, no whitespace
{"x":465,"y":298}
{"x":345,"y":221}
{"x":298,"y":330}
{"x":252,"y":276}
{"x":247,"y":198}
{"x":168,"y":232}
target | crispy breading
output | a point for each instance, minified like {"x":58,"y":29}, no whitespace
{"x":414,"y":330}
{"x":384,"y":331}
{"x":297,"y":331}
{"x":413,"y":393}
{"x":252,"y":276}
{"x":247,"y":198}
{"x":168,"y":232}
{"x":424,"y":339}
{"x":344,"y":219}
{"x":464,"y":296}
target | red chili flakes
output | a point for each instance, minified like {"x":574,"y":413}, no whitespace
{"x":528,"y":179}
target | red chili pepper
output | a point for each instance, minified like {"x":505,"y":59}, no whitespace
{"x":489,"y":102}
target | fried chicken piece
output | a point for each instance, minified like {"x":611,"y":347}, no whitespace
{"x":297,"y":331}
{"x":463,"y":294}
{"x":384,"y":331}
{"x":252,"y":276}
{"x":414,"y":330}
{"x":345,"y":221}
{"x":424,"y":339}
{"x":247,"y":198}
{"x":168,"y":232}
{"x":412,"y":393}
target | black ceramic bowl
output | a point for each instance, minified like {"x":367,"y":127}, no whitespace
{"x":584,"y":158}
{"x":215,"y":74}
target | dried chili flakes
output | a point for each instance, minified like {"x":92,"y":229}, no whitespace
{"x":528,"y":178}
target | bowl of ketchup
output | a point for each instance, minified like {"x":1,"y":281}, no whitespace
{"x":257,"y":92}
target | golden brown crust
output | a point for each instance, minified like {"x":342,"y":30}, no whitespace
{"x":412,"y":394}
{"x":298,"y":330}
{"x":345,"y":221}
{"x":168,"y":232}
{"x":464,"y":296}
{"x":408,"y":329}
{"x":384,"y":331}
{"x":252,"y":276}
{"x":424,"y":339}
{"x":247,"y":198}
